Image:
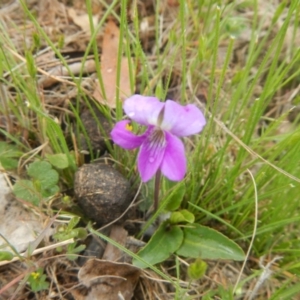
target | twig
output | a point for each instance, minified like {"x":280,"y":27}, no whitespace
{"x":37,"y":251}
{"x":253,"y":233}
{"x":267,"y":272}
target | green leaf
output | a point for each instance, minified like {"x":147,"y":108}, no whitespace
{"x":25,"y":190}
{"x":8,"y":163}
{"x":60,"y":236}
{"x":42,"y":171}
{"x":8,"y":155}
{"x":182,"y":216}
{"x":189,"y":217}
{"x":176,"y":218}
{"x":59,"y":161}
{"x":65,"y":235}
{"x":81,"y":233}
{"x":36,"y":40}
{"x":165,"y":241}
{"x":73,"y":222}
{"x":37,"y":281}
{"x":43,"y":184}
{"x":6,"y":255}
{"x":31,"y":67}
{"x":49,"y":179}
{"x":207,"y":243}
{"x":280,"y":8}
{"x":73,"y":249}
{"x":176,"y":197}
{"x":69,"y":231}
{"x":50,"y":191}
{"x":197,"y":269}
{"x":9,"y":150}
{"x":37,"y":167}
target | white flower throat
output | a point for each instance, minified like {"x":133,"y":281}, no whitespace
{"x":157,"y":142}
{"x":157,"y":138}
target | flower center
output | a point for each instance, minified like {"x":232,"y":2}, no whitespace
{"x":157,"y":143}
{"x":157,"y":138}
{"x":128,"y":127}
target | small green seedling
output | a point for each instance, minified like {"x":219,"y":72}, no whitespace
{"x":42,"y":184}
{"x":65,"y":232}
{"x":37,"y":280}
{"x":197,"y":269}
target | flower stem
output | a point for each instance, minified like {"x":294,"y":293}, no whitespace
{"x":156,"y":189}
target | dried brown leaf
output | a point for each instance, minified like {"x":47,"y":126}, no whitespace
{"x":173,"y":3}
{"x":107,"y":280}
{"x":118,"y":234}
{"x":82,"y":20}
{"x":109,"y":61}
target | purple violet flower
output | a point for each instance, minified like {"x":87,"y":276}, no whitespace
{"x":160,"y":146}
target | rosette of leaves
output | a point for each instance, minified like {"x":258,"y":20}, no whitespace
{"x":180,"y":235}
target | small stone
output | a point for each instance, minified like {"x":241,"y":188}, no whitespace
{"x":95,"y":247}
{"x":102,"y":192}
{"x":18,"y":225}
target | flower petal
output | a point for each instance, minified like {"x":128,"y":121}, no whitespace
{"x":124,"y":138}
{"x":182,"y":120}
{"x":174,"y":161}
{"x":143,"y":110}
{"x":150,"y":156}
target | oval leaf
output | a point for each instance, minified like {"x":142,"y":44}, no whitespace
{"x":6,"y":255}
{"x":8,"y":163}
{"x":59,"y":161}
{"x":188,"y":216}
{"x":165,"y":241}
{"x":24,"y":189}
{"x":176,"y":197}
{"x":37,"y":168}
{"x":8,"y":155}
{"x":207,"y":243}
{"x":176,"y":217}
{"x":182,"y":216}
{"x":197,"y":269}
